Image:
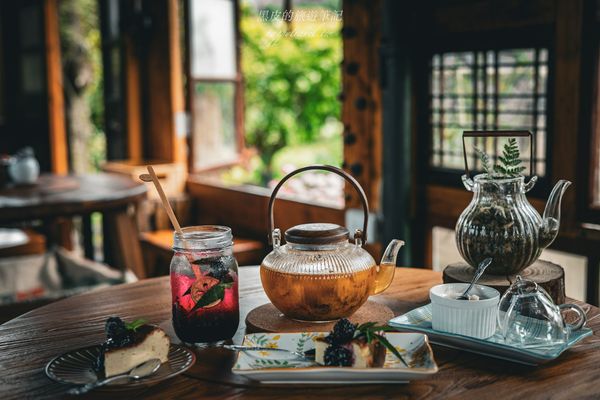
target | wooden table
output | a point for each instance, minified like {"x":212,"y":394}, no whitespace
{"x":55,"y":197}
{"x":29,"y":341}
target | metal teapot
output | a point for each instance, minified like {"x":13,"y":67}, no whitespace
{"x":319,"y":275}
{"x":500,"y":223}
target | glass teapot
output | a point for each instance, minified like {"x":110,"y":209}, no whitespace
{"x":319,"y":275}
{"x":527,"y":316}
{"x":500,"y":223}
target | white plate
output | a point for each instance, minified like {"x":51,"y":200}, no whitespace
{"x":270,"y":367}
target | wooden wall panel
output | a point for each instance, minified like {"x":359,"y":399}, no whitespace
{"x":477,"y":16}
{"x":447,"y":203}
{"x":361,"y":94}
{"x":567,"y":94}
{"x":245,"y":209}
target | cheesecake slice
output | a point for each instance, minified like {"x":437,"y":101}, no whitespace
{"x":148,"y":342}
{"x":363,"y":354}
{"x":350,"y":345}
{"x":128,"y":346}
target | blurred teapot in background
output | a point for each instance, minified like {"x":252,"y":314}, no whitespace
{"x":24,"y":168}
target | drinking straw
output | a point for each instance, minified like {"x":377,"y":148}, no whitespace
{"x":151,"y":177}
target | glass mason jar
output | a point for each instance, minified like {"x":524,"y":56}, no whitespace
{"x":204,"y":285}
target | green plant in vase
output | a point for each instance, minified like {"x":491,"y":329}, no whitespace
{"x":510,"y":161}
{"x":500,"y":223}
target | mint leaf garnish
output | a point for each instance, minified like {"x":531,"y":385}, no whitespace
{"x":133,"y":326}
{"x":215,"y":293}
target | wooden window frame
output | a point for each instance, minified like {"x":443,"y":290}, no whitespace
{"x":569,"y":123}
{"x":238,"y":82}
{"x":588,"y":198}
{"x":494,"y":41}
{"x":245,"y":207}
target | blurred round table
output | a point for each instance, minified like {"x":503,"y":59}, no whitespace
{"x":58,"y":197}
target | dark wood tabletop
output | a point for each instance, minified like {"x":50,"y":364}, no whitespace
{"x":28,"y":342}
{"x":61,"y":195}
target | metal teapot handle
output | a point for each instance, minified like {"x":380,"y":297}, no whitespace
{"x":474,"y":134}
{"x":363,"y":198}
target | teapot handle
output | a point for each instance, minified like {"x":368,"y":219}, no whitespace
{"x":363,"y":198}
{"x":495,"y":134}
{"x":580,"y":313}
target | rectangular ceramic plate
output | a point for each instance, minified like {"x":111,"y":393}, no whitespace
{"x":419,"y":320}
{"x":269,"y":367}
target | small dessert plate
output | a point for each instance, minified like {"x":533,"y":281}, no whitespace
{"x":75,"y":368}
{"x":270,"y":367}
{"x":419,"y":320}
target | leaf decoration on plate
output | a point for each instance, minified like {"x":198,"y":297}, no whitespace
{"x":390,"y":347}
{"x":372,"y":331}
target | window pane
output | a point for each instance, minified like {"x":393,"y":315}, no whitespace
{"x":30,"y":24}
{"x":32,"y":78}
{"x":213,"y":130}
{"x":505,"y":89}
{"x":212,"y":28}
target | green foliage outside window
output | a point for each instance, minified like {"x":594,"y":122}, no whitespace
{"x":291,"y":87}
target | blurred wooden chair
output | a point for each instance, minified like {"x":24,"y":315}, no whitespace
{"x":36,"y":244}
{"x":157,"y":251}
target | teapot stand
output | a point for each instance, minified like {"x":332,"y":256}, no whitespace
{"x":548,"y":275}
{"x":267,"y":318}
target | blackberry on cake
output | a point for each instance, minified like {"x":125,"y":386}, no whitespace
{"x":353,"y":345}
{"x":338,"y":356}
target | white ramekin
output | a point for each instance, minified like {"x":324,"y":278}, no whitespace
{"x":475,"y":318}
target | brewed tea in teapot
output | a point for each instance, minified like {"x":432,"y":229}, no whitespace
{"x":319,"y":275}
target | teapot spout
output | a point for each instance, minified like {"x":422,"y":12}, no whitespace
{"x":391,"y":252}
{"x":387,"y":266}
{"x":551,"y":217}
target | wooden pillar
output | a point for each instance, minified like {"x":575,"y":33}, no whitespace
{"x":568,"y":34}
{"x":361,"y":94}
{"x":59,"y":159}
{"x":133,"y":105}
{"x":165,"y":139}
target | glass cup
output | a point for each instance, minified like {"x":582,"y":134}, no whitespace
{"x":204,"y":285}
{"x":527,"y":316}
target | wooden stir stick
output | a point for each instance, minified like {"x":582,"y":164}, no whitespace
{"x":151,"y":177}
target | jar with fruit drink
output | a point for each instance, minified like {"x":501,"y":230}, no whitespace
{"x":204,"y":285}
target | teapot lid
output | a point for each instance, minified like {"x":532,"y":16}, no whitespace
{"x":316,"y":233}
